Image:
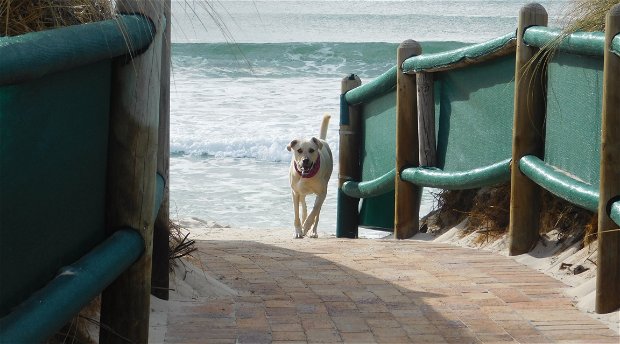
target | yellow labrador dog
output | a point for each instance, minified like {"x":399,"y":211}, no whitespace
{"x":311,"y":167}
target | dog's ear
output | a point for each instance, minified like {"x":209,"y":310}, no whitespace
{"x":317,"y":142}
{"x":291,"y":145}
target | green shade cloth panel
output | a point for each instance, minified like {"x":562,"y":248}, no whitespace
{"x":378,"y":156}
{"x":473,"y":114}
{"x":483,"y":176}
{"x":560,"y":183}
{"x":429,"y":62}
{"x":53,"y":162}
{"x":371,"y":188}
{"x":378,"y":212}
{"x":378,"y":129}
{"x":47,"y":310}
{"x":573,"y":121}
{"x":582,"y":43}
{"x":36,"y":54}
{"x":615,"y":45}
{"x":614,"y":213}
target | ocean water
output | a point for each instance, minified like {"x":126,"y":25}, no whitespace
{"x":250,"y":76}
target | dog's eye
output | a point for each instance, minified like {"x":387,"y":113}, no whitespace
{"x":300,"y":151}
{"x":311,"y":150}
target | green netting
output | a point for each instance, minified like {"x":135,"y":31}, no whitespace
{"x":378,"y":156}
{"x":53,"y":156}
{"x":574,"y":104}
{"x":473,"y":114}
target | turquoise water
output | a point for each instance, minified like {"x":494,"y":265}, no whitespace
{"x":241,"y":94}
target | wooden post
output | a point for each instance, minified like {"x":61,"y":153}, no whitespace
{"x":408,"y":196}
{"x":528,"y":134}
{"x":426,"y":118}
{"x":161,"y":233}
{"x":132,"y":163}
{"x":349,"y":160}
{"x":608,"y":264}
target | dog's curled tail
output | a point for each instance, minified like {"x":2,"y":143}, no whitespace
{"x":324,"y":124}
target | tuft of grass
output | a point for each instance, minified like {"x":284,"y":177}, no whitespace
{"x":587,"y":15}
{"x":487,"y":211}
{"x":18,"y":17}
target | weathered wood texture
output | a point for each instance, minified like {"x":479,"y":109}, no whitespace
{"x":608,"y":265}
{"x":528,"y":133}
{"x":349,"y":136}
{"x":161,"y":232}
{"x":349,"y":160}
{"x":408,"y":196}
{"x":426,"y":119}
{"x":132,"y":164}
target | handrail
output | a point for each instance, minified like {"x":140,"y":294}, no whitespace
{"x":33,"y":55}
{"x":559,"y":183}
{"x":377,"y":87}
{"x":614,"y":212}
{"x":583,"y":43}
{"x":471,"y":54}
{"x":371,"y":188}
{"x":475,"y":178}
{"x":47,"y":310}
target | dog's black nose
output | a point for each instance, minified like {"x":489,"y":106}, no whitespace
{"x":305,"y":162}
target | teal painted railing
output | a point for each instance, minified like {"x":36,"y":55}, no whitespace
{"x":375,"y":103}
{"x":582,"y":43}
{"x":37,"y":72}
{"x":556,"y":179}
{"x":34,"y":55}
{"x":458,"y":180}
{"x":377,"y":87}
{"x":370,"y":188}
{"x":450,"y":59}
{"x":46,"y":311}
{"x":559,"y":183}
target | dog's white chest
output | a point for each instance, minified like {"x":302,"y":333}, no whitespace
{"x":306,"y":186}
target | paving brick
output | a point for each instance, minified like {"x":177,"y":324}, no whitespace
{"x":350,"y":324}
{"x":375,"y":291}
{"x":323,"y":336}
{"x":358,"y":337}
{"x":288,"y":336}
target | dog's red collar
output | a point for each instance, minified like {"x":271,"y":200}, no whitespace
{"x":313,"y":171}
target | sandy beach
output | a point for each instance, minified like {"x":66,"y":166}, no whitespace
{"x":196,"y":281}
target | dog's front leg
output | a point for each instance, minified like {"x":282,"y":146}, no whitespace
{"x":298,"y":231}
{"x":313,"y":217}
{"x":304,"y":208}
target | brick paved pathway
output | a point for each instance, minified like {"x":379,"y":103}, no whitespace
{"x":377,"y":291}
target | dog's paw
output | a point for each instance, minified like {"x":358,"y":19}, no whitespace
{"x":313,"y":235}
{"x":298,"y":233}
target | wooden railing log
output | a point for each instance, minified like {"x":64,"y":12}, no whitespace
{"x":528,"y":133}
